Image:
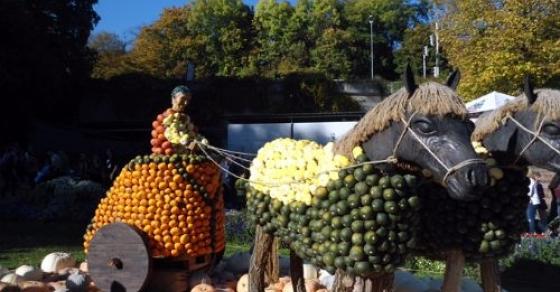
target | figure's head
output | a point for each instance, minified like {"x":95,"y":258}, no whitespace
{"x":426,"y":126}
{"x":180,"y":98}
{"x":525,"y":131}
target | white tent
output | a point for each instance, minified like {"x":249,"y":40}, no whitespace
{"x":488,"y":102}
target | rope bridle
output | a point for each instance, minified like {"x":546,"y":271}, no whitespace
{"x":449,"y":170}
{"x":536,"y":136}
{"x":392,"y":159}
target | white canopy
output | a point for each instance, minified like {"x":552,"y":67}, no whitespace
{"x":488,"y":102}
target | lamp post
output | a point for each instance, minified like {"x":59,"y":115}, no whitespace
{"x":424,"y":56}
{"x":371,"y":42}
{"x":436,"y":36}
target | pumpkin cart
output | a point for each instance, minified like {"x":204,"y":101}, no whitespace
{"x":163,"y":217}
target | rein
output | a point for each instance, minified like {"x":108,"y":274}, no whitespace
{"x":536,"y":136}
{"x":449,"y":170}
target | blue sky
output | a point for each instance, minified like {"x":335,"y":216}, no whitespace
{"x":124,"y":17}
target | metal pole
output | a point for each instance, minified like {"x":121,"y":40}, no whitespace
{"x":371,"y":42}
{"x":436,"y":69}
{"x":424,"y":66}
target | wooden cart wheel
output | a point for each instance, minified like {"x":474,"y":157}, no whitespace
{"x":119,"y":258}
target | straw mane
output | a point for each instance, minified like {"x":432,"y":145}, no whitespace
{"x":429,"y":99}
{"x":547,"y":105}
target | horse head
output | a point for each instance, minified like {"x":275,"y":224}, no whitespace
{"x":425,"y":126}
{"x":525,"y":131}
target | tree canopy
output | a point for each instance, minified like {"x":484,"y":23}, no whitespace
{"x":496,"y":43}
{"x":226,"y":38}
{"x":43,"y":57}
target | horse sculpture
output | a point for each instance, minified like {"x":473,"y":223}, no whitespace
{"x":523,"y":132}
{"x":422,"y":126}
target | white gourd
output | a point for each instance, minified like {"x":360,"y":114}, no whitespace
{"x":56,"y":261}
{"x":29,"y":273}
{"x":11,"y":278}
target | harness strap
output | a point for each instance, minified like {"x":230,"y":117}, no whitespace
{"x":536,"y":136}
{"x":449,"y":170}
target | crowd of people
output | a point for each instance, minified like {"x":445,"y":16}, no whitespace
{"x":537,"y":217}
{"x":25,"y":167}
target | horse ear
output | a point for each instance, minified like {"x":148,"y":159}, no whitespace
{"x":528,"y":89}
{"x":408,"y":80}
{"x":453,"y":79}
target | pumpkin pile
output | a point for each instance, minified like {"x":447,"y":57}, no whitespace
{"x":175,"y":199}
{"x":362,"y":220}
{"x":486,"y":227}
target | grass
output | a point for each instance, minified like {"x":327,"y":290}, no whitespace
{"x":28,"y":242}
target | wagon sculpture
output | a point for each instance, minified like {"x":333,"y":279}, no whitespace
{"x":163,"y":216}
{"x":522,"y":133}
{"x":351,"y":207}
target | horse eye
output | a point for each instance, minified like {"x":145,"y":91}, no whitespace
{"x":424,"y":126}
{"x":551,"y":129}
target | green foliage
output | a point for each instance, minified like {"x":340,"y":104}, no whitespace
{"x":424,"y":267}
{"x":112,"y":59}
{"x":272,"y":36}
{"x":223,"y":38}
{"x":412,"y":49}
{"x":544,"y":250}
{"x":390,"y":20}
{"x":214,"y":35}
{"x":43,"y":49}
{"x":496,"y":43}
{"x":331,"y":54}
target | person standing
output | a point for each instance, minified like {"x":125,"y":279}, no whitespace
{"x":536,"y":193}
{"x":554,"y":188}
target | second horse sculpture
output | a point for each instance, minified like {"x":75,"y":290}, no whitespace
{"x":522,"y":133}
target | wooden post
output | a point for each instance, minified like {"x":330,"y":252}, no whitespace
{"x":296,"y":272}
{"x":259,"y":260}
{"x":343,"y":282}
{"x":490,"y":275}
{"x":272,"y":272}
{"x":455,"y":263}
{"x":381,"y":283}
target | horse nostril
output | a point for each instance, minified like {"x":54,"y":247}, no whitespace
{"x":471,"y":176}
{"x":477,"y":177}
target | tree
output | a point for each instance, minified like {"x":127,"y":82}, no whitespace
{"x":106,"y":42}
{"x":212,"y":34}
{"x":330,"y":53}
{"x":496,"y":43}
{"x":44,"y":60}
{"x":222,"y":31}
{"x":272,"y":37}
{"x":162,"y":48}
{"x":111,"y":56}
{"x":390,"y":20}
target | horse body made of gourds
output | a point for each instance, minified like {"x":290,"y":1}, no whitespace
{"x":360,"y":219}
